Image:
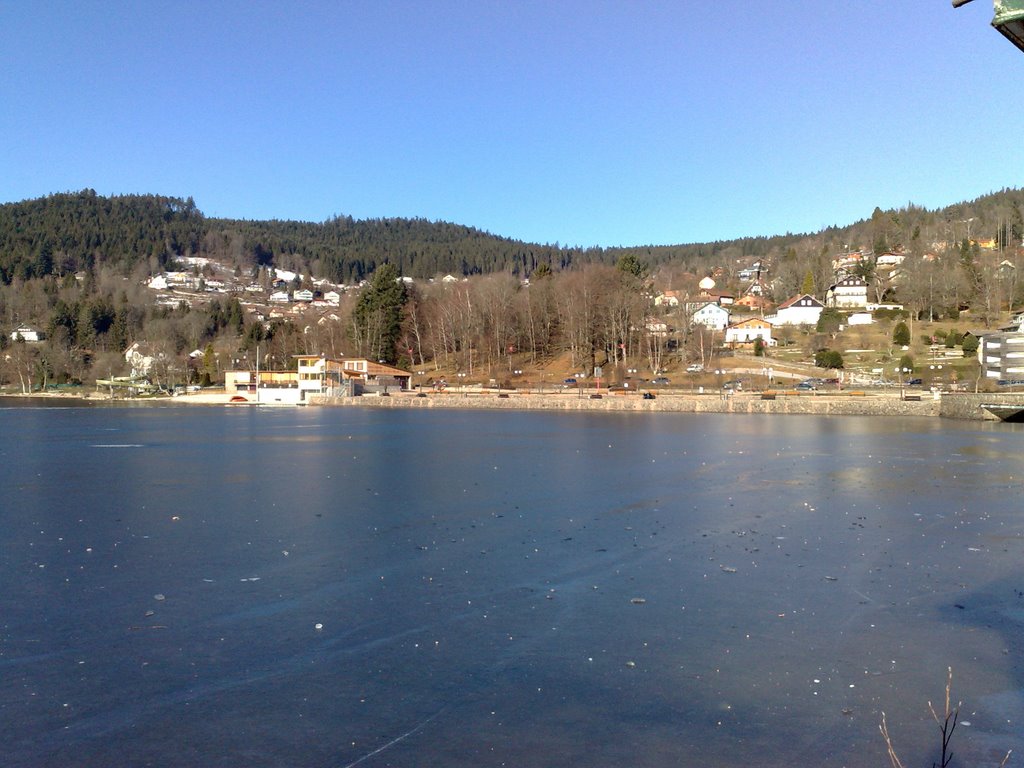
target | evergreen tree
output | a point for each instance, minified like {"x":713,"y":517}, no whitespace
{"x":209,"y":366}
{"x":377,"y":317}
{"x":63,"y":317}
{"x":631,"y":265}
{"x":829,"y":321}
{"x":808,"y":284}
{"x":901,"y":334}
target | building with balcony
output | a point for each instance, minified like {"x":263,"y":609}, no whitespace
{"x":315,"y":375}
{"x":1002,"y":356}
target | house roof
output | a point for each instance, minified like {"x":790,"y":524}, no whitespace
{"x":705,"y":304}
{"x":753,"y":301}
{"x":367,"y":367}
{"x":790,"y":302}
{"x":758,"y":322}
{"x":716,"y":295}
{"x":851,"y":280}
{"x":375,"y":369}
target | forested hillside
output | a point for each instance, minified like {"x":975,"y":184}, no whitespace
{"x":66,"y":233}
{"x":76,"y":267}
{"x":72,"y":232}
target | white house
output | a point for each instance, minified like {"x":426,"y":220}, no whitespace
{"x":754,"y":272}
{"x":280,"y":297}
{"x":333,"y":298}
{"x":889,"y":260}
{"x":140,"y":362}
{"x":304,"y":295}
{"x":885,"y":305}
{"x":656,"y":326}
{"x":849,"y":293}
{"x":667,"y":299}
{"x":178,"y":278}
{"x":748,"y":331}
{"x":25,"y":333}
{"x":711,"y":315}
{"x":803,"y":309}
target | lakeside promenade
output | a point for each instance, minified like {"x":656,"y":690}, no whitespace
{"x":955,"y":405}
{"x":887,"y":404}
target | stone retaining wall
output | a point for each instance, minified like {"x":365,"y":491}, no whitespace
{"x":811,"y":404}
{"x":964,"y":405}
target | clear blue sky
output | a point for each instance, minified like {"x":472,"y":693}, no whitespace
{"x":582,"y":122}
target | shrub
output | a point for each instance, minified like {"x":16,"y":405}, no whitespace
{"x":829,"y":321}
{"x":970,"y":345}
{"x":828,"y":358}
{"x":883,"y":313}
{"x":901,"y":334}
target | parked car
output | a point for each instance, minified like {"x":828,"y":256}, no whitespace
{"x":736,"y":384}
{"x":915,"y":382}
{"x":568,"y":383}
{"x":806,"y":386}
{"x":695,"y":368}
{"x":660,"y":381}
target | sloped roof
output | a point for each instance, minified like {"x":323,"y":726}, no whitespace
{"x":759,"y":322}
{"x":790,"y":302}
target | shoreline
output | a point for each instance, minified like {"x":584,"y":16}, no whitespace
{"x":780,"y":402}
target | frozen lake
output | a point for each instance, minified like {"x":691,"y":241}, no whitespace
{"x":498,"y":588}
